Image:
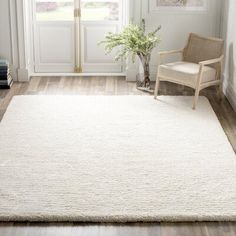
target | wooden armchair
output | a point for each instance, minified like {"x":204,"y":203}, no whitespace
{"x":200,"y":67}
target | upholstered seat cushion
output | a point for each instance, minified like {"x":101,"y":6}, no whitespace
{"x":186,"y":73}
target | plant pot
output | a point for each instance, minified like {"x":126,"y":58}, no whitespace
{"x":143,"y":77}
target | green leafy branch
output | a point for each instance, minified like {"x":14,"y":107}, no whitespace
{"x":132,"y":41}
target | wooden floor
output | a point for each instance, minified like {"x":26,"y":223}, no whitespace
{"x":116,"y":86}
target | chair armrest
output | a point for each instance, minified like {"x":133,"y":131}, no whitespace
{"x":212,"y":61}
{"x":165,"y":53}
{"x":208,"y":62}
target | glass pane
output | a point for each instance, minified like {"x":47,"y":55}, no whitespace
{"x":100,"y":10}
{"x":57,"y":10}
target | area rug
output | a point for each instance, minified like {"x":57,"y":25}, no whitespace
{"x":114,"y":159}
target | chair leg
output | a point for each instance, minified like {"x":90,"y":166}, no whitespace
{"x":157,"y":87}
{"x":197,"y":91}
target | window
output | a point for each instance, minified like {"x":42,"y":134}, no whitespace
{"x":63,"y":10}
{"x":100,"y":10}
{"x":57,"y":10}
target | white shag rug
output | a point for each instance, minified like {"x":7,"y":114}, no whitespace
{"x":114,"y":159}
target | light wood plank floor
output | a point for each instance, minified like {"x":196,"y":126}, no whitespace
{"x":116,"y":86}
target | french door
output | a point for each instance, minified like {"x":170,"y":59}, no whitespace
{"x":67,"y":33}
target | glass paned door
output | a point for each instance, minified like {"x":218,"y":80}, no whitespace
{"x":97,"y":19}
{"x":54,"y":39}
{"x":67,"y":33}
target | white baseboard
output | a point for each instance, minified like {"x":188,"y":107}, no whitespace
{"x":78,"y":74}
{"x":230,"y":93}
{"x":23,"y":75}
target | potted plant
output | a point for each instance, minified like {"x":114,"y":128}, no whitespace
{"x":134,"y":41}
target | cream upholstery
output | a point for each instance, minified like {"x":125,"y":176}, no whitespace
{"x":186,"y":73}
{"x":201,"y":65}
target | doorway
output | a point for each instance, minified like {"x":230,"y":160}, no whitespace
{"x":67,"y":33}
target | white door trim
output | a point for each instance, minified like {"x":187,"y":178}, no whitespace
{"x":19,"y":36}
{"x":25,"y":43}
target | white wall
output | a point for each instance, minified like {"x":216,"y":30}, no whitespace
{"x":229,"y":33}
{"x":12,"y":37}
{"x":177,"y":26}
{"x":5,"y":39}
{"x":7,"y":47}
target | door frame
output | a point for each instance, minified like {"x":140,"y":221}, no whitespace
{"x":24,"y":61}
{"x":32,"y":16}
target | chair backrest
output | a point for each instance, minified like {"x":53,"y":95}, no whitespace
{"x":201,"y":48}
